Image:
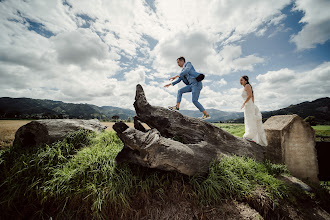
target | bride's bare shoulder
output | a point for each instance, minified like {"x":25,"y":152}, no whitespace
{"x":247,"y":86}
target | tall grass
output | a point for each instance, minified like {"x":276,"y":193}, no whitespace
{"x":237,"y":177}
{"x":75,"y":178}
{"x":78,"y":178}
{"x":25,"y":170}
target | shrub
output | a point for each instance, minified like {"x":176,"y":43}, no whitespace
{"x":311,"y":120}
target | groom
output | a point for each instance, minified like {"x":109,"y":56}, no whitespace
{"x":188,"y":75}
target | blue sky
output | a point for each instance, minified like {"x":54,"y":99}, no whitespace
{"x":97,"y":51}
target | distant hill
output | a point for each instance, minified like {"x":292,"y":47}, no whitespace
{"x":216,"y":115}
{"x":26,"y":108}
{"x":41,"y":108}
{"x":319,"y":108}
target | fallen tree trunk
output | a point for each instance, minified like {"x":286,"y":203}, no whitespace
{"x":177,"y":142}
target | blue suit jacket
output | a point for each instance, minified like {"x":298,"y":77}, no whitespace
{"x":188,"y":75}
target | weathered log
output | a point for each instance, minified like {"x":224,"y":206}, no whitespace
{"x":48,"y":131}
{"x":152,"y":150}
{"x":177,"y":142}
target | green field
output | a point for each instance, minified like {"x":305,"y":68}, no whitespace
{"x":238,"y":129}
{"x":323,"y":130}
{"x":234,"y":129}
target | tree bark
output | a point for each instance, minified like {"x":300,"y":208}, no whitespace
{"x":177,"y":142}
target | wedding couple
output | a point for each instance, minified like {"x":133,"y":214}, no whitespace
{"x":254,"y":130}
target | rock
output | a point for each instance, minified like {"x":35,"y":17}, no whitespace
{"x":291,"y":141}
{"x":296,"y":182}
{"x":48,"y":131}
{"x":177,"y":142}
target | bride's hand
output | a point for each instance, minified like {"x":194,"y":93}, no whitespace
{"x":243,"y":106}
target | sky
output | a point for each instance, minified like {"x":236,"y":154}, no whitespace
{"x":97,"y":51}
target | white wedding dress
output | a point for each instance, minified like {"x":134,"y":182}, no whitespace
{"x":254,"y":129}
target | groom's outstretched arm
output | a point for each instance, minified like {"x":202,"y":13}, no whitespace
{"x":176,"y":81}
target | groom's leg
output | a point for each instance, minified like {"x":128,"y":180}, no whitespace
{"x":196,"y":90}
{"x":185,"y":89}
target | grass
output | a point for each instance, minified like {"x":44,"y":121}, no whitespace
{"x":322,"y":130}
{"x":235,"y":129}
{"x":239,"y":129}
{"x":78,"y":178}
{"x":236,"y":178}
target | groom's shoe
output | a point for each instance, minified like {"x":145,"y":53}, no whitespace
{"x":173,"y":108}
{"x":204,"y":117}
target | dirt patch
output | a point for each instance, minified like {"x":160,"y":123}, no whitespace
{"x":177,"y":203}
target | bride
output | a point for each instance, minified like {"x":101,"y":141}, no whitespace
{"x":254,"y":130}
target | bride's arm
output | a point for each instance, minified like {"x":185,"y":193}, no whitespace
{"x":248,"y":89}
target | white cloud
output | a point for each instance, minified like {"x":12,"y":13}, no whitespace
{"x":52,"y":14}
{"x":202,"y":55}
{"x":316,"y":21}
{"x":278,"y":19}
{"x":136,"y":76}
{"x":222,"y":82}
{"x":229,"y":60}
{"x":227,"y":100}
{"x":278,"y":89}
{"x":101,"y":49}
{"x":217,"y":16}
{"x":196,"y":37}
{"x":79,"y":47}
{"x":122,"y":23}
{"x":261,"y":32}
{"x":169,"y":49}
{"x":275,"y":78}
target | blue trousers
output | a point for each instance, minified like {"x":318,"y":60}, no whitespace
{"x":195,"y":88}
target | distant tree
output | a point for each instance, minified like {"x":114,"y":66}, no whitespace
{"x":12,"y":114}
{"x":311,"y":120}
{"x":115,"y":117}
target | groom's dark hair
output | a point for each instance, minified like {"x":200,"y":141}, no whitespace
{"x":181,"y":58}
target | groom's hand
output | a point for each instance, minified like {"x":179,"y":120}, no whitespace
{"x":173,"y":78}
{"x":167,"y":85}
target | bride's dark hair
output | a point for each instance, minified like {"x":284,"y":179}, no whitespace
{"x":246,"y":78}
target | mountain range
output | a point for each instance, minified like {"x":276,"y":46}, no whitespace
{"x":27,"y":108}
{"x":40,"y":108}
{"x":319,"y":108}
